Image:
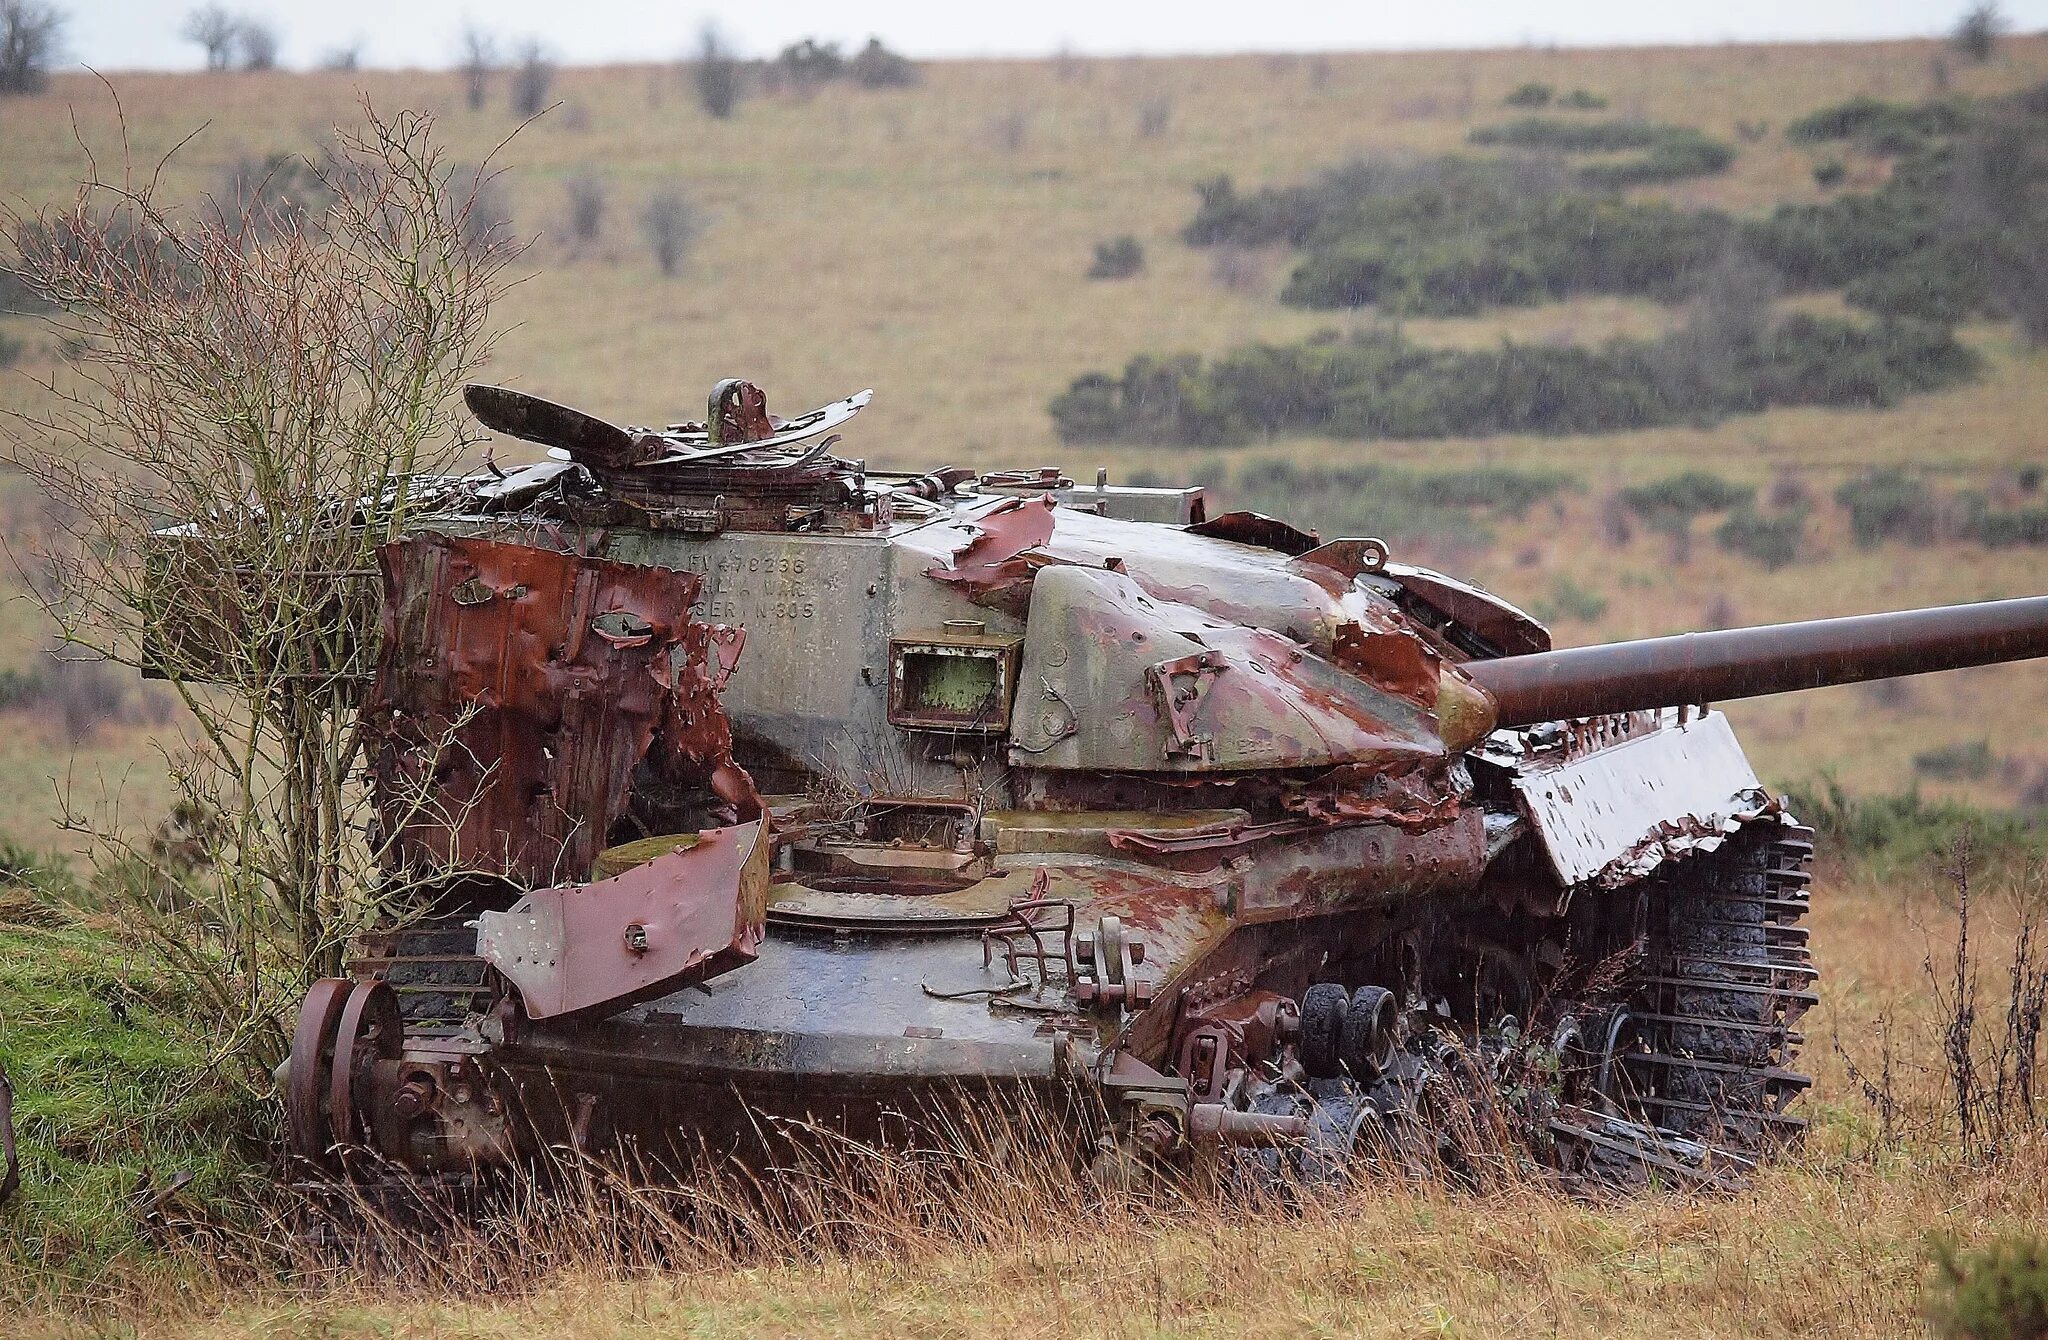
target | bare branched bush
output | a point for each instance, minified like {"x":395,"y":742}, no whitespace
{"x":672,"y":223}
{"x":215,"y":30}
{"x":1991,"y":1074}
{"x":259,"y":401}
{"x":342,"y":59}
{"x":717,"y":74}
{"x":479,"y":57}
{"x":86,"y":693}
{"x":588,"y":196}
{"x":30,"y":34}
{"x":1009,"y":131}
{"x":1155,"y":114}
{"x":532,"y":78}
{"x":1245,"y":270}
{"x":1977,"y":32}
{"x":257,"y":43}
{"x":875,"y":66}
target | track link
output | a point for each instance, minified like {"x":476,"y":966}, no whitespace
{"x":1726,"y":978}
{"x":435,"y":969}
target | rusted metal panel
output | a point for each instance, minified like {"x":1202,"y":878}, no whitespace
{"x":1774,"y":658}
{"x":677,"y":919}
{"x":518,"y":690}
{"x":1613,"y":813}
{"x":1116,"y":679}
{"x":1502,"y":625}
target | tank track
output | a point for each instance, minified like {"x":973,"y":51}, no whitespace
{"x":435,"y":969}
{"x":1710,"y":1024}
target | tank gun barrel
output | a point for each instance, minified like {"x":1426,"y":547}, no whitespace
{"x":1751,"y":662}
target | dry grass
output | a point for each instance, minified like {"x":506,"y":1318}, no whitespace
{"x":1830,"y":1242}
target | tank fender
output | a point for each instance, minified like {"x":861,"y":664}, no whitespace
{"x":681,"y":918}
{"x":1612,"y":798}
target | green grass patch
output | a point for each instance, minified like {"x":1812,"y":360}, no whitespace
{"x":110,"y":1083}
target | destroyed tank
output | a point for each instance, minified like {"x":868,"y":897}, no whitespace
{"x":759,"y":787}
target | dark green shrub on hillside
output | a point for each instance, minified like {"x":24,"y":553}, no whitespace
{"x":1529,"y":95}
{"x":1569,"y":600}
{"x":1453,"y":236}
{"x":1889,"y":504}
{"x":2004,"y":529}
{"x":1456,"y":259}
{"x":1830,"y":244}
{"x":1771,"y":538}
{"x":1377,"y":385}
{"x":1672,"y":153}
{"x":1997,"y":1292}
{"x":1685,"y":496}
{"x":1571,"y":137}
{"x":1580,"y":100}
{"x":1941,"y":281}
{"x":1118,"y":258}
{"x":1829,"y":173}
{"x":1904,"y":829}
{"x":10,"y":350}
{"x":1963,"y":761}
{"x":1681,"y":154}
{"x":1819,"y":360}
{"x":1876,"y":121}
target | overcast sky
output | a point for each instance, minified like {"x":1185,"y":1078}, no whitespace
{"x":143,"y":34}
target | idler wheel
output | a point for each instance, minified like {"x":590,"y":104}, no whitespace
{"x":1366,"y":1043}
{"x":371,"y":1029}
{"x":1319,"y":1045}
{"x":306,"y":1079}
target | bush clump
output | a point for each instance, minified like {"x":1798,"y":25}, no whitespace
{"x":1569,"y":600}
{"x":1889,"y":504}
{"x":1532,"y":94}
{"x":1687,"y":495}
{"x":1571,"y":137}
{"x":1118,"y":258}
{"x":1771,"y":538}
{"x":1377,"y":384}
{"x":1969,"y":760}
{"x":1905,"y":830}
{"x":1880,"y":126}
{"x":1454,"y":236}
{"x":1681,"y":154}
{"x":1998,"y":1292}
{"x":1671,"y":153}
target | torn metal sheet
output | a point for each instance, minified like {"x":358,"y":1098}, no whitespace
{"x":1613,"y":814}
{"x":680,"y":918}
{"x":518,"y":691}
{"x":992,"y":558}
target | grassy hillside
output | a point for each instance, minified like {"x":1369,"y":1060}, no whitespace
{"x":931,"y":242}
